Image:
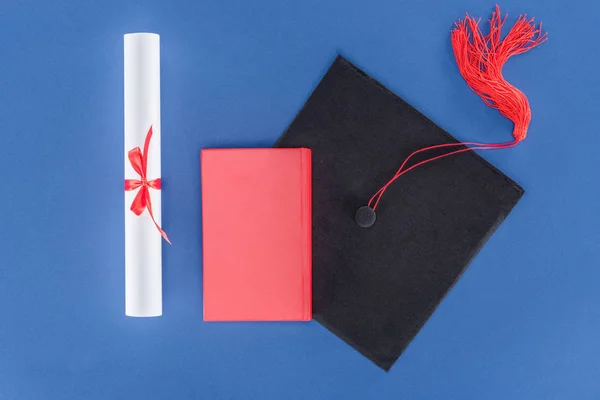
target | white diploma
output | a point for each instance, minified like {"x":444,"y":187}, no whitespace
{"x":143,"y":240}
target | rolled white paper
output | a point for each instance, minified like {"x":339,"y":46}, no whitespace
{"x":143,"y":241}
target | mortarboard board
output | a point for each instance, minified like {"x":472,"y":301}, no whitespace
{"x":376,"y":287}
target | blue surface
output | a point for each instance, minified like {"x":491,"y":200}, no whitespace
{"x":524,"y":321}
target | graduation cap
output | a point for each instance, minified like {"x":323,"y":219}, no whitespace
{"x":400,"y":207}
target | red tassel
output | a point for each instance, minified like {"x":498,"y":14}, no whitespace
{"x":480,"y":60}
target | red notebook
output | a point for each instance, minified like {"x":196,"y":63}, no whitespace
{"x":257,"y":230}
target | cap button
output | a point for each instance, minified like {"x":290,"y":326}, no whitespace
{"x":365,"y":217}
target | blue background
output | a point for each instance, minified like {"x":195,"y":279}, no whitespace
{"x":524,"y":321}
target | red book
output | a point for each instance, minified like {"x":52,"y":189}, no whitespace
{"x":257,"y":227}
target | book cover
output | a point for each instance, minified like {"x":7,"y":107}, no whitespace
{"x":256,"y":223}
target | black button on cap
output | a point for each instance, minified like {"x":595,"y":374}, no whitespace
{"x":365,"y":217}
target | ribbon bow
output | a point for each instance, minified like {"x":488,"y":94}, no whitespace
{"x":139,"y":162}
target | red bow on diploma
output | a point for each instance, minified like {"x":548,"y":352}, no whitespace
{"x":139,"y":162}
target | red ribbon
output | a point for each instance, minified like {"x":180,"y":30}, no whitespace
{"x":139,"y":162}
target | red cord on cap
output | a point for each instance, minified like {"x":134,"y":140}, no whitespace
{"x":480,"y":60}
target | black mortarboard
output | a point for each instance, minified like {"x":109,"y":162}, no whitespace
{"x":377,"y":279}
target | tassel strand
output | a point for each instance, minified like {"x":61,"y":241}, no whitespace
{"x":480,"y":60}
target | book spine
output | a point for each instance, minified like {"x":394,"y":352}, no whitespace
{"x":306,"y":160}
